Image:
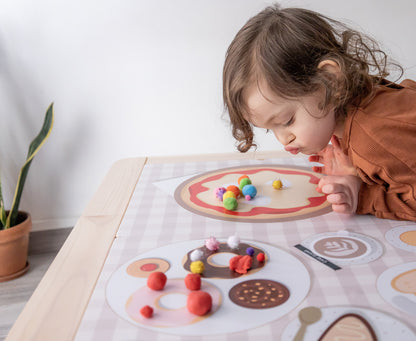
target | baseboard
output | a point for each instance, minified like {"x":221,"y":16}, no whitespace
{"x":51,"y":224}
{"x":47,"y":241}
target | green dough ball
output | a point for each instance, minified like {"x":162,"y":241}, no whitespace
{"x":230,"y":204}
{"x":245,"y":181}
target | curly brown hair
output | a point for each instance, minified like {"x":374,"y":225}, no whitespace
{"x":284,"y":47}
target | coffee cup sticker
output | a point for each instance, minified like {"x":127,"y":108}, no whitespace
{"x":340,"y":247}
{"x":405,"y":282}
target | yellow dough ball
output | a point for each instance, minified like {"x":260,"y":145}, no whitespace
{"x":277,"y":184}
{"x":228,"y":194}
{"x":197,"y":267}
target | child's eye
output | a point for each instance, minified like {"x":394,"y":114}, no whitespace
{"x":290,"y":121}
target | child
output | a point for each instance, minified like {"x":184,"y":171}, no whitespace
{"x":311,"y":80}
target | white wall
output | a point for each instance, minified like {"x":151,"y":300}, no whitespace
{"x":132,"y":78}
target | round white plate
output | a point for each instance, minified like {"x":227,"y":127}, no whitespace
{"x":280,"y":267}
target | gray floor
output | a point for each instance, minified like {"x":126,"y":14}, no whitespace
{"x":44,"y":245}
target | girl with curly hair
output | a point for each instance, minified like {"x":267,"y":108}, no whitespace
{"x":312,"y":80}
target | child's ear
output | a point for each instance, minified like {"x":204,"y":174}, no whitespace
{"x":331,"y":66}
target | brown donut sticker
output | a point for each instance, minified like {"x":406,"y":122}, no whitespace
{"x":213,"y":271}
{"x":259,"y":294}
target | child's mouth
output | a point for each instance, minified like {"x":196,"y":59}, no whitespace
{"x":292,"y":150}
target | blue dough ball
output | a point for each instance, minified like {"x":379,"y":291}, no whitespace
{"x":249,"y":190}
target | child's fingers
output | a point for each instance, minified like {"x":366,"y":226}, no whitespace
{"x":341,"y":202}
{"x":327,"y":188}
{"x":335,"y":142}
{"x":318,"y":169}
{"x":338,"y":198}
{"x":343,"y":208}
{"x":315,"y":158}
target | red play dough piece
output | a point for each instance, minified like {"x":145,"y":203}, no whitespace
{"x":261,"y":257}
{"x":193,"y":281}
{"x":199,"y":302}
{"x":241,"y":264}
{"x":147,"y":311}
{"x":156,"y":280}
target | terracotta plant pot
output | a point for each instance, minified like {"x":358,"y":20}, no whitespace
{"x":14,"y":245}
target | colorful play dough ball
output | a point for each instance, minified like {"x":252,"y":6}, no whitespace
{"x":199,"y":302}
{"x":233,"y":242}
{"x":277,"y":184}
{"x":193,"y":281}
{"x":230,"y":204}
{"x":248,"y":198}
{"x":229,"y":194}
{"x":197,"y":267}
{"x":219,"y":192}
{"x":147,"y":311}
{"x":250,"y":190}
{"x":241,"y":178}
{"x":212,"y":244}
{"x":250,"y":251}
{"x":156,"y":280}
{"x":235,"y":190}
{"x":261,"y":257}
{"x":244,"y":182}
{"x":196,"y":255}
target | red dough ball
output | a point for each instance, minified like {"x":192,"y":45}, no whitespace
{"x":193,"y":281}
{"x":241,"y":264}
{"x":156,"y":280}
{"x":147,"y":311}
{"x":261,"y":257}
{"x":199,"y":302}
{"x":235,"y":190}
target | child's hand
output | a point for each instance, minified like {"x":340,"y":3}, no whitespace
{"x":342,"y":192}
{"x":334,"y":161}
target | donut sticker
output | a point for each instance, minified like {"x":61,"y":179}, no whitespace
{"x":144,"y":267}
{"x":259,"y":294}
{"x":296,"y":199}
{"x":403,"y":237}
{"x":169,"y":304}
{"x":344,"y":247}
{"x":216,"y":262}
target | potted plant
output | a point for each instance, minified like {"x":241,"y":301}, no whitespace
{"x":15,"y":225}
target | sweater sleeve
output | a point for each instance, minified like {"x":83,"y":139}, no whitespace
{"x":380,"y":140}
{"x":386,"y":163}
{"x":375,"y":199}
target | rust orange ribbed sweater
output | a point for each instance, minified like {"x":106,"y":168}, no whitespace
{"x":380,"y":140}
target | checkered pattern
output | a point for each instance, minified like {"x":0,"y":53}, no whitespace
{"x":154,"y":219}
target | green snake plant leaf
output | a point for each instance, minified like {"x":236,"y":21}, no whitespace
{"x":2,"y":210}
{"x":34,"y":147}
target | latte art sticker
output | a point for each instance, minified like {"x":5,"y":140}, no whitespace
{"x":340,"y":247}
{"x":344,"y":247}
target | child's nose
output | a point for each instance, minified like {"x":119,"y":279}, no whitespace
{"x":284,"y":137}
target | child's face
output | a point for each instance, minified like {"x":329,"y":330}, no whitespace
{"x":298,"y":124}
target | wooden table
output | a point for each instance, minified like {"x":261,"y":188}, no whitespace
{"x":56,"y":308}
{"x":57,"y":305}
